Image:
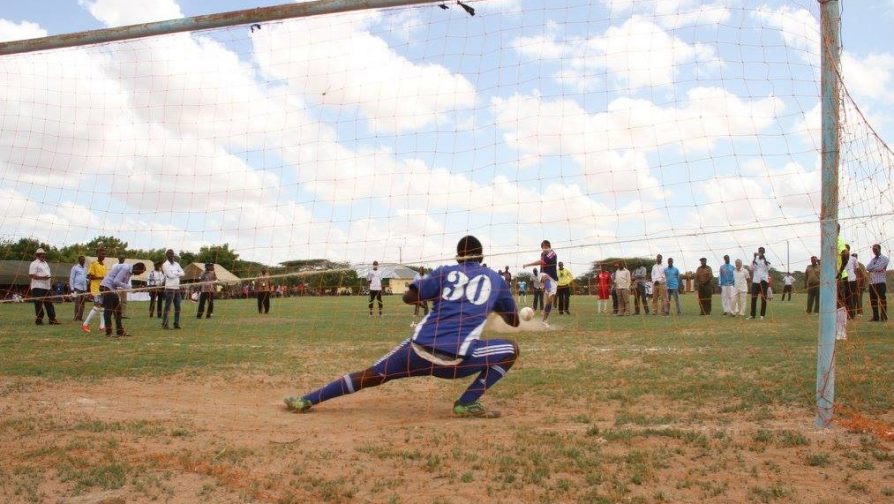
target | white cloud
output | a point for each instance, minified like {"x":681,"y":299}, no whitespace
{"x":20,"y":31}
{"x":337,"y":61}
{"x":538,"y":127}
{"x":672,"y":13}
{"x":125,"y":12}
{"x":405,"y":24}
{"x":799,"y":28}
{"x":871,"y":77}
{"x":636,"y":54}
{"x":45,"y":139}
{"x":809,"y":127}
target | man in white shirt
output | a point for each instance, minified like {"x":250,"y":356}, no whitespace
{"x":374,"y":278}
{"x":760,"y":270}
{"x":622,"y":287}
{"x":172,"y":272}
{"x":39,"y":272}
{"x":659,"y":288}
{"x":851,"y":290}
{"x":787,"y":282}
{"x":155,"y":282}
{"x":740,"y":284}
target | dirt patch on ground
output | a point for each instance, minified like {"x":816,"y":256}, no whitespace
{"x":223,"y":439}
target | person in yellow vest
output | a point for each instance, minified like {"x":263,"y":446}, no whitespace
{"x":566,"y":279}
{"x":96,"y":272}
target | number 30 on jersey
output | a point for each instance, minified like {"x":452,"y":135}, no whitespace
{"x":475,"y":290}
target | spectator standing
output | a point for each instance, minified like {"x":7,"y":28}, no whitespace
{"x":639,"y":290}
{"x":603,"y":290}
{"x":659,"y":287}
{"x":565,"y":283}
{"x":522,"y":292}
{"x":727,"y":286}
{"x":374,"y":279}
{"x":207,"y":280}
{"x":96,"y":271}
{"x":173,"y":273}
{"x":507,"y":276}
{"x":537,"y":286}
{"x":851,"y":289}
{"x":622,"y":287}
{"x":672,"y":274}
{"x":40,"y":274}
{"x":788,"y":281}
{"x":741,"y":283}
{"x":812,"y":284}
{"x":263,"y":288}
{"x":760,"y":271}
{"x":77,"y":282}
{"x":704,"y":286}
{"x":877,"y":268}
{"x":155,"y":283}
{"x":862,"y":283}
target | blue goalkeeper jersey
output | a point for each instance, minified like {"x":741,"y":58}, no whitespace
{"x":463,"y":295}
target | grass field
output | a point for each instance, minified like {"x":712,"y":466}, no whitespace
{"x":598,"y":409}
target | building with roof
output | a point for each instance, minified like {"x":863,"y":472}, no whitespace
{"x":398,"y":276}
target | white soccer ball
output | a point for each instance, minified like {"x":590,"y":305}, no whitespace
{"x":526,"y":313}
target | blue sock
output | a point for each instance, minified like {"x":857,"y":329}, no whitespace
{"x":337,"y":388}
{"x":483,"y":381}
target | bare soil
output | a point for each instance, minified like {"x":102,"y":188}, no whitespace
{"x":229,"y":439}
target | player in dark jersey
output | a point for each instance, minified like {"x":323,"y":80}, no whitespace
{"x":445,"y":343}
{"x":549,"y":277}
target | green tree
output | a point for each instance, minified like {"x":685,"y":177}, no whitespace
{"x":24,"y":248}
{"x":220,"y":254}
{"x":187,"y":257}
{"x":327,"y":276}
{"x":113,"y":246}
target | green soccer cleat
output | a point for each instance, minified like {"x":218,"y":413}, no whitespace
{"x":473,"y":410}
{"x":297,"y":404}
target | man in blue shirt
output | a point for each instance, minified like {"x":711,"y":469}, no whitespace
{"x":673,"y":286}
{"x":77,"y":283}
{"x":445,"y":343}
{"x":877,"y":268}
{"x":118,"y":278}
{"x":727,"y":286}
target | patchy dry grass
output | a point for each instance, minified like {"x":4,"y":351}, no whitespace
{"x":601,"y":409}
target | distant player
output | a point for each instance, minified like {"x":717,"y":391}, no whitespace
{"x":374,"y":278}
{"x":522,"y":291}
{"x":445,"y":344}
{"x":549,"y":277}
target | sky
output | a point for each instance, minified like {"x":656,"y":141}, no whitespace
{"x":611,"y":128}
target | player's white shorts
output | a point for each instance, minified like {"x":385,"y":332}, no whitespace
{"x":550,"y":286}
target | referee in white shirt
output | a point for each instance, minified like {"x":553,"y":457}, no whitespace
{"x":374,"y":278}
